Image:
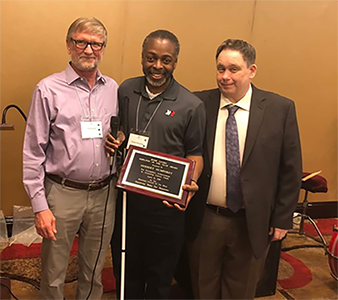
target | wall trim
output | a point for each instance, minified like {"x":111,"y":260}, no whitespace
{"x":316,"y":210}
{"x":320,"y":210}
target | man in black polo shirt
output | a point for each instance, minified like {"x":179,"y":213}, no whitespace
{"x":173,"y":119}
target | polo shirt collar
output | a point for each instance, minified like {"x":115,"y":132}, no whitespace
{"x":170,"y":93}
{"x":72,"y":76}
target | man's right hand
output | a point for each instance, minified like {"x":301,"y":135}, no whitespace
{"x":111,"y":144}
{"x":45,"y":224}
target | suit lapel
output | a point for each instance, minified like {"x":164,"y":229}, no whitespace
{"x":257,"y":110}
{"x":212,"y":106}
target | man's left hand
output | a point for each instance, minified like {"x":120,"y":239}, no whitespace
{"x":192,"y":189}
{"x":277,"y":233}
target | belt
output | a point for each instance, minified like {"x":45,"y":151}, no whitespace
{"x":91,"y":186}
{"x":226,"y":212}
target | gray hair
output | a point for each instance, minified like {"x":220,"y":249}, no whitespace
{"x":90,"y":25}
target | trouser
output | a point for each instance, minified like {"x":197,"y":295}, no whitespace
{"x":154,"y":239}
{"x":182,"y":274}
{"x":221,"y":259}
{"x":76,"y":211}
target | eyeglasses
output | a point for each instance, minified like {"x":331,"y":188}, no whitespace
{"x":80,"y":44}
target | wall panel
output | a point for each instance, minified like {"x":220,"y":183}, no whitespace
{"x":296,"y":42}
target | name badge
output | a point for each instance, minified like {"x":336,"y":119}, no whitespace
{"x":91,"y":130}
{"x":138,"y":140}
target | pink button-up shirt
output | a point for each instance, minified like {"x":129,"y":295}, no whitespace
{"x":53,"y":142}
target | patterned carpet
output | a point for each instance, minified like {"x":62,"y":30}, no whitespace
{"x":23,"y":263}
{"x":304,"y":271}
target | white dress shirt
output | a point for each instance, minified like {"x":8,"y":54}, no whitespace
{"x":217,"y":191}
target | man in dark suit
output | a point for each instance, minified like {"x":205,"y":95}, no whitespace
{"x":250,"y":183}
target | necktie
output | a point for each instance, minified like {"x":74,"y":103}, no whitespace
{"x":234,"y":191}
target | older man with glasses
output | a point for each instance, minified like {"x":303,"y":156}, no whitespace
{"x":67,"y":174}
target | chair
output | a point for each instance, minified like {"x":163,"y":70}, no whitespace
{"x":314,"y":184}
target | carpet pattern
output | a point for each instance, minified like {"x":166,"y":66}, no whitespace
{"x":24,"y":263}
{"x":304,"y":271}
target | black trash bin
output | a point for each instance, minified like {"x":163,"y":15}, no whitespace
{"x":267,"y":285}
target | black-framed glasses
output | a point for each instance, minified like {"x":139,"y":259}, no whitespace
{"x":80,"y":44}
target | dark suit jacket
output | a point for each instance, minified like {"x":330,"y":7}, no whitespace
{"x":271,"y":170}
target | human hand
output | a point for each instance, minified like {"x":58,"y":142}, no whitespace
{"x":277,"y":233}
{"x":45,"y":224}
{"x":111,"y":143}
{"x":192,"y":189}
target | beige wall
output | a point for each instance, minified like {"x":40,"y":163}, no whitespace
{"x":296,"y":42}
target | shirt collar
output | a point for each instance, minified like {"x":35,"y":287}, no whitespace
{"x":244,"y":103}
{"x":72,"y":76}
{"x":170,"y":93}
{"x":150,"y":94}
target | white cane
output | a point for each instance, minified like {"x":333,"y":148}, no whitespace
{"x":124,"y":110}
{"x":123,"y":244}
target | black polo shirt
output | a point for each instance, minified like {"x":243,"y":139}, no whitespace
{"x":178,"y":126}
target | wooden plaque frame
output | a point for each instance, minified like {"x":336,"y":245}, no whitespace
{"x":156,"y":174}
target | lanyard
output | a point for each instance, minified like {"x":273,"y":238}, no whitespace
{"x":151,"y":117}
{"x":82,"y":107}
